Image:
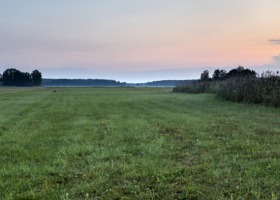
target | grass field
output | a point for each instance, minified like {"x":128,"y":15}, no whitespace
{"x":129,"y":143}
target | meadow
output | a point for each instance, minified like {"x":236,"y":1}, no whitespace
{"x":135,"y":143}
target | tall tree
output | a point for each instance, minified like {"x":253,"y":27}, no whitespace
{"x":11,"y":76}
{"x":205,"y":76}
{"x":36,"y":77}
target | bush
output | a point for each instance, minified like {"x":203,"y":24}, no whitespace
{"x":198,"y":87}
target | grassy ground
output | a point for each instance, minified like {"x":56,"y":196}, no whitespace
{"x":119,"y":143}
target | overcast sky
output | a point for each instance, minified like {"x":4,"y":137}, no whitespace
{"x":138,"y":40}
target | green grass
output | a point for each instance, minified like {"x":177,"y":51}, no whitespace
{"x":127,"y":143}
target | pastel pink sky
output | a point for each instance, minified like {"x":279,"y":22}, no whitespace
{"x":139,"y":40}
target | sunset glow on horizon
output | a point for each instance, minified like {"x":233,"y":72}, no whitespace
{"x":140,"y":40}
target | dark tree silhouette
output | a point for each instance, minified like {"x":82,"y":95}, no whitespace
{"x":14,"y":77}
{"x":241,"y":72}
{"x":36,"y":77}
{"x":205,"y":76}
{"x":219,"y":74}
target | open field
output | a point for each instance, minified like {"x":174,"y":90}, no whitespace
{"x":127,"y":143}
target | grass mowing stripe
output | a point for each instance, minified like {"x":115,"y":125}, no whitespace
{"x":130,"y":143}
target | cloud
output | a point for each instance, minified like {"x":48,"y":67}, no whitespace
{"x":274,"y":41}
{"x":276,"y":58}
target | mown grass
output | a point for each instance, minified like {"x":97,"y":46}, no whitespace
{"x":127,"y":143}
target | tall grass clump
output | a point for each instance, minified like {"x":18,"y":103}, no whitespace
{"x":240,"y":89}
{"x":262,"y":90}
{"x":238,"y":85}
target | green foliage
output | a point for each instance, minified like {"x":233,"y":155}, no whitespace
{"x":195,"y":87}
{"x":121,"y":143}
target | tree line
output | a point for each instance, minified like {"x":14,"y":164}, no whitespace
{"x":15,"y":77}
{"x":82,"y":82}
{"x":221,"y":74}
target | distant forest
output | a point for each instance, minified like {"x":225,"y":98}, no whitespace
{"x":81,"y":82}
{"x":165,"y":83}
{"x":108,"y":83}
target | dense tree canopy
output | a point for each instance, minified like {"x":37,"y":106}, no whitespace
{"x":222,"y":74}
{"x":219,"y":74}
{"x":14,"y":77}
{"x":241,"y":72}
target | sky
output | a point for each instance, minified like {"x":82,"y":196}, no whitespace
{"x":138,"y":40}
